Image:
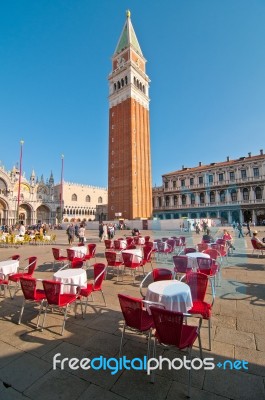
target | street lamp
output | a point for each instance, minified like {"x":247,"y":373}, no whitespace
{"x":20,"y":173}
{"x":61,"y":196}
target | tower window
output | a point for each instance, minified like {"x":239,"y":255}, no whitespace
{"x":122,"y":82}
{"x":119,"y":85}
{"x":115,"y":87}
{"x":126,"y":80}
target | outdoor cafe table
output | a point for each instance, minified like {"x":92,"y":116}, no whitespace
{"x":8,"y":267}
{"x":192,"y":259}
{"x":74,"y":276}
{"x":138,"y":255}
{"x":173,"y":294}
{"x":80,"y":251}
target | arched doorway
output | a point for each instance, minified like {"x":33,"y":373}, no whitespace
{"x":3,"y":213}
{"x":224,"y":217}
{"x":43,"y":214}
{"x":247,"y":216}
{"x":25,"y":214}
{"x":235,"y":216}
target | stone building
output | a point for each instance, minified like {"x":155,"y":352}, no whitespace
{"x":80,"y":201}
{"x":36,"y":202}
{"x":232,"y":190}
{"x":129,"y":180}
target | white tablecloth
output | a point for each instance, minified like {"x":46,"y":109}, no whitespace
{"x":138,"y":255}
{"x":80,"y":251}
{"x":8,"y":267}
{"x":192,"y":259}
{"x":174,"y":295}
{"x":141,"y":240}
{"x":123,"y":244}
{"x":76,"y":276}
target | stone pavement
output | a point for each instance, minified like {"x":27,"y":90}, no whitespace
{"x":238,"y":332}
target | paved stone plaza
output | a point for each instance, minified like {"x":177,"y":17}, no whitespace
{"x":238,"y":332}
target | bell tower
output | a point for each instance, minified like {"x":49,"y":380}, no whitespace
{"x":129,"y":180}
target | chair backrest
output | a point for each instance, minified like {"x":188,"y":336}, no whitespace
{"x":161,"y":246}
{"x":188,"y":250}
{"x":32,"y":265}
{"x":202,"y":246}
{"x":147,"y":239}
{"x":52,"y":291}
{"x":164,"y":239}
{"x":178,"y":242}
{"x":28,"y":286}
{"x":255,"y":244}
{"x":162,"y":274}
{"x":110,"y":257}
{"x":213,"y":253}
{"x":129,"y":240}
{"x":77,"y":264}
{"x":204,"y":265}
{"x":56,"y":253}
{"x":128,"y":259}
{"x":183,"y":239}
{"x":70,"y":254}
{"x":180,"y":263}
{"x":168,"y":325}
{"x":108,"y":243}
{"x":15,"y":257}
{"x":99,"y":275}
{"x":117,"y":244}
{"x":221,"y":241}
{"x":132,"y":310}
{"x":91,"y":249}
{"x":171,"y":243}
{"x":147,"y":252}
{"x":136,"y":239}
{"x":198,"y":284}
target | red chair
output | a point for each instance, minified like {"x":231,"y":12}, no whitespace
{"x":136,"y":318}
{"x":58,"y":257}
{"x":136,"y":240}
{"x":163,"y":249}
{"x":222,"y":251}
{"x":3,"y":282}
{"x":91,"y":248}
{"x":77,"y":264}
{"x":183,"y":240}
{"x":129,"y":241}
{"x":55,"y":299}
{"x":31,"y":295}
{"x":180,"y":266}
{"x":202,"y":246}
{"x":15,"y":257}
{"x":198,"y":284}
{"x":146,"y":239}
{"x":179,"y":246}
{"x":157,"y":274}
{"x":131,"y":247}
{"x":256,"y":247}
{"x":108,"y":244}
{"x":172,"y":331}
{"x":112,"y":262}
{"x":132,"y":262}
{"x":71,"y":256}
{"x":172,"y":244}
{"x":27,"y":272}
{"x":96,"y":286}
{"x":117,"y":245}
{"x":208,"y":267}
{"x":188,"y":250}
{"x":147,"y":255}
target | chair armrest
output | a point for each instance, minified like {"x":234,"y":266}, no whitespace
{"x":153,"y":303}
{"x":65,"y":266}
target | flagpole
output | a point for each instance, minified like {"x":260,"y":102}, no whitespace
{"x":19,"y":181}
{"x":61,"y":194}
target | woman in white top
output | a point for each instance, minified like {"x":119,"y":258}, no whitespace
{"x":22,"y":229}
{"x":81,"y":234}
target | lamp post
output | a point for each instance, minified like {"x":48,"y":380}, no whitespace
{"x":61,"y":194}
{"x":20,"y":173}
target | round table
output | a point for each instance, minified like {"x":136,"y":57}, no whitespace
{"x":192,"y":259}
{"x":75,"y":276}
{"x":9,"y":267}
{"x":80,"y":251}
{"x":174,"y":295}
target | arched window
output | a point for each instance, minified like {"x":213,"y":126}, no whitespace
{"x":126,"y":80}
{"x":245,"y":194}
{"x":144,"y":89}
{"x":114,"y":87}
{"x":141,"y":86}
{"x":192,"y":198}
{"x":88,"y":198}
{"x":175,"y":199}
{"x":119,"y":85}
{"x":183,"y":199}
{"x":100,"y":199}
{"x":137,"y":83}
{"x":233,"y":195}
{"x":212,"y":197}
{"x":159,"y":202}
{"x":122,"y":82}
{"x":258,"y":193}
{"x":74,"y":197}
{"x":167,"y":201}
{"x":222,"y":196}
{"x":134,"y":81}
{"x":202,"y":198}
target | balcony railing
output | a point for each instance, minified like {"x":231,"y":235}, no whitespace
{"x":202,"y":205}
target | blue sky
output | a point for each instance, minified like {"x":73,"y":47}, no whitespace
{"x":206,"y":62}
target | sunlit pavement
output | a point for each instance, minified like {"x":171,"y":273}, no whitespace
{"x":238,"y":332}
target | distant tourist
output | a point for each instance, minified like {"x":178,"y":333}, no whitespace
{"x":70,"y":231}
{"x":81,"y":233}
{"x":229,"y":240}
{"x":22,"y":229}
{"x":239,"y":228}
{"x":248,"y":230}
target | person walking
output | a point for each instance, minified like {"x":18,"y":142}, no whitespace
{"x":249,"y":231}
{"x":239,"y":228}
{"x":81,"y":233}
{"x":70,"y":233}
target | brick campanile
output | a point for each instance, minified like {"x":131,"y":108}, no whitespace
{"x":129,"y":179}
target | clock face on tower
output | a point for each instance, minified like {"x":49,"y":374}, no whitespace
{"x":120,"y":62}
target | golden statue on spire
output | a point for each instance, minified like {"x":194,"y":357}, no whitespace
{"x":128,"y":13}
